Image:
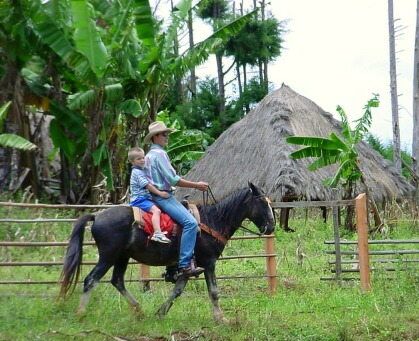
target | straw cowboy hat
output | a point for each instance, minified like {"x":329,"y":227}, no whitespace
{"x":156,"y":128}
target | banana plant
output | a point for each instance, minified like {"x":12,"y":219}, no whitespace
{"x":13,"y":140}
{"x":342,"y":151}
{"x":328,"y":151}
{"x":140,"y":64}
{"x":114,"y":61}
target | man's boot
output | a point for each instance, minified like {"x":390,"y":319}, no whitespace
{"x":191,"y":270}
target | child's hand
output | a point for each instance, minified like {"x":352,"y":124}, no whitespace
{"x":164,"y":194}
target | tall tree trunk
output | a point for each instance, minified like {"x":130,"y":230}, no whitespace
{"x":178,"y":80}
{"x":220,"y":73}
{"x":415,"y":141}
{"x":95,"y":116}
{"x":221,"y":89}
{"x":265,"y":75}
{"x":239,"y":81}
{"x":246,"y":103}
{"x":67,"y":169}
{"x":264,"y":64}
{"x":192,"y":86}
{"x":393,"y":89}
{"x":19,"y":120}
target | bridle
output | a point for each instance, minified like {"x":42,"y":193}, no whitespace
{"x":206,"y":195}
{"x":265,"y":226}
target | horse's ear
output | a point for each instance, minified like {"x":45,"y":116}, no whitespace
{"x":252,"y":187}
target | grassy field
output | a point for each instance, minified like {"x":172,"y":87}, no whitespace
{"x":303,"y":307}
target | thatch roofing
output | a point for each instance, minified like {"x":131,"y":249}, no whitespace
{"x":254,"y":149}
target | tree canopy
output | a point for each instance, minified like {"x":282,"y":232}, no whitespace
{"x":102,"y":71}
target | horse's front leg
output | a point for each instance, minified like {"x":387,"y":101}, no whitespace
{"x":177,"y":291}
{"x":211,"y":281}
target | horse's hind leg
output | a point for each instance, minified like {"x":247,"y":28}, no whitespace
{"x":90,"y":281}
{"x":177,"y":291}
{"x":119,"y":283}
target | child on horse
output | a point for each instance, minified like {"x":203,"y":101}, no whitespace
{"x":140,"y":197}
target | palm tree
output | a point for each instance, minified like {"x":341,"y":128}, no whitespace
{"x":257,"y":44}
{"x":149,"y":63}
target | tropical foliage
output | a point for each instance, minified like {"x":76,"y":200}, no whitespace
{"x":343,"y":152}
{"x":337,"y":150}
{"x":101,"y":70}
{"x":11,"y":140}
{"x":386,"y":150}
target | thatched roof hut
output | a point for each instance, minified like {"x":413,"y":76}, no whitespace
{"x":254,"y":149}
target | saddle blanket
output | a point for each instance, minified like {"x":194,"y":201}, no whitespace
{"x":166,"y":224}
{"x":143,"y":219}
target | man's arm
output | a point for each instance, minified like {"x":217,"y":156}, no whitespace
{"x":200,"y":185}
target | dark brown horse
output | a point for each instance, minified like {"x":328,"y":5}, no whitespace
{"x":117,"y":241}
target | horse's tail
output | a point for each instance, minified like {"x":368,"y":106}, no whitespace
{"x":71,"y":268}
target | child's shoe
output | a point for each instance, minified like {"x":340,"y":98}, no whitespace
{"x":160,"y":237}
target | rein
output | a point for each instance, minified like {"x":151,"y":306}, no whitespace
{"x":250,"y":231}
{"x":206,"y":195}
{"x":205,"y":199}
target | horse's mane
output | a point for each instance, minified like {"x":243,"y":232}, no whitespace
{"x":223,"y":214}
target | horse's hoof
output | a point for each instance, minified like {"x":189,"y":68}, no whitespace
{"x":146,"y":287}
{"x":222,"y":320}
{"x":160,"y":314}
{"x":138,"y":311}
{"x":80,"y":313}
{"x":162,"y":311}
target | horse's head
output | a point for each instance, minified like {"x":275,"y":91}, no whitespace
{"x":261,"y":213}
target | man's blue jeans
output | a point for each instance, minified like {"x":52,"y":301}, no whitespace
{"x":182,"y":216}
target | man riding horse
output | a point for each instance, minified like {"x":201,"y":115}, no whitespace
{"x":162,"y":175}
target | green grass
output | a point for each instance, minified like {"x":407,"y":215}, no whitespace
{"x":303,"y":307}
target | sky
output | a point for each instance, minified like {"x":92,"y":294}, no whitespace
{"x":337,"y":53}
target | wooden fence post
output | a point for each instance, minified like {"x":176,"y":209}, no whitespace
{"x":336,"y":235}
{"x":271,"y":263}
{"x":362,"y":230}
{"x":144,"y":275}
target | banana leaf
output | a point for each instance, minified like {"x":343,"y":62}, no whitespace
{"x":87,"y":38}
{"x":16,"y":141}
